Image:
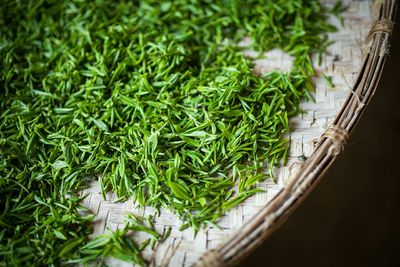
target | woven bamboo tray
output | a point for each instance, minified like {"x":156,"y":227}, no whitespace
{"x":354,"y":63}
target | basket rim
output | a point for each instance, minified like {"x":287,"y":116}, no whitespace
{"x":331,"y":143}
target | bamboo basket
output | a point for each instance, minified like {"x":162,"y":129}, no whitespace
{"x":355,"y":63}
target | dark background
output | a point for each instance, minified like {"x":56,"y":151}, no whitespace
{"x":352,"y":218}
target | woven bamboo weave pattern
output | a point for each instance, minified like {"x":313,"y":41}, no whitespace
{"x":342,"y":62}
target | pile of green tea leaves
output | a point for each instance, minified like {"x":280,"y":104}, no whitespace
{"x":154,"y":99}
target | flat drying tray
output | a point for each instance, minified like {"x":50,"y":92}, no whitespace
{"x":354,"y":63}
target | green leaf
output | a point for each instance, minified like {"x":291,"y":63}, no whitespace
{"x":59,"y":165}
{"x":179,"y":190}
{"x":59,"y":235}
{"x":69,"y":246}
